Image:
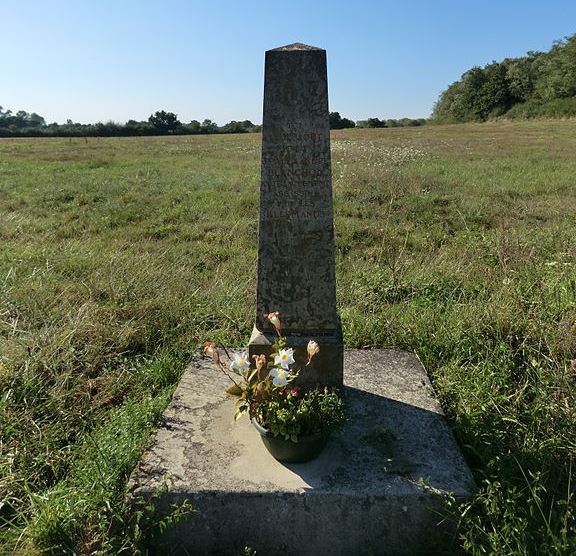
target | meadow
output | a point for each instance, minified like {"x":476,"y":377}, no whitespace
{"x":120,"y":256}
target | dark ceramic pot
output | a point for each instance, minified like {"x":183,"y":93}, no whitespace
{"x":286,"y":451}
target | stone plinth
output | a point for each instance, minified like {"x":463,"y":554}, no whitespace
{"x":376,"y":489}
{"x":296,"y":273}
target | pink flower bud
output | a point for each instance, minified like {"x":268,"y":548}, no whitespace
{"x":273,"y":318}
{"x":260,"y":363}
{"x":313,"y":348}
{"x":211,"y":351}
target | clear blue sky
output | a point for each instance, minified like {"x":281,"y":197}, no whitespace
{"x":99,"y":60}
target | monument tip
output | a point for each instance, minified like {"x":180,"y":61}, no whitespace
{"x":295,"y":46}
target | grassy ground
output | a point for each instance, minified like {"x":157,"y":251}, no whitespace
{"x":120,"y":256}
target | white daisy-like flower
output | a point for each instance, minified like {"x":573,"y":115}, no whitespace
{"x":279,"y":377}
{"x":285,"y":358}
{"x":240,"y":362}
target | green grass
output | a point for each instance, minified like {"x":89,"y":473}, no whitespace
{"x":118,"y":257}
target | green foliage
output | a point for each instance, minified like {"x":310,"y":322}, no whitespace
{"x":159,"y":123}
{"x":522,"y":74}
{"x":295,"y":413}
{"x":376,"y":123}
{"x":21,"y":120}
{"x":208,"y":126}
{"x":144,"y":525}
{"x":194,"y":127}
{"x":94,"y":489}
{"x":482,"y":93}
{"x":557,"y":108}
{"x":165,"y":122}
{"x":266,"y":393}
{"x":519,"y":87}
{"x":557,"y":71}
{"x":238,"y":127}
{"x":338,"y":122}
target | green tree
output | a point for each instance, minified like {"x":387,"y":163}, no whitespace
{"x":208,"y":126}
{"x":337,"y":122}
{"x":375,"y":122}
{"x":540,"y":83}
{"x":165,"y":122}
{"x":193,"y":127}
{"x":480,"y":94}
{"x":494,"y":97}
{"x":36,"y":121}
{"x":557,"y":71}
{"x":522,"y":74}
{"x":133,"y":127}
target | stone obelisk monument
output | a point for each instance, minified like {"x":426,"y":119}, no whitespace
{"x":360,"y":496}
{"x":296,"y":274}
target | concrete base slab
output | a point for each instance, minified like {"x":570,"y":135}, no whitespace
{"x":378,"y":488}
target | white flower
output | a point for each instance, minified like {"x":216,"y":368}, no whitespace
{"x":240,"y":362}
{"x":285,"y":358}
{"x":280,"y":377}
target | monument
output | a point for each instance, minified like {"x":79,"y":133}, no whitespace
{"x":296,"y":275}
{"x":379,"y":486}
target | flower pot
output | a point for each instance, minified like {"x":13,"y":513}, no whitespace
{"x":307,"y":448}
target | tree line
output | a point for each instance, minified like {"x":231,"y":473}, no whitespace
{"x":23,"y":124}
{"x":160,"y":123}
{"x":539,"y":84}
{"x":337,"y":122}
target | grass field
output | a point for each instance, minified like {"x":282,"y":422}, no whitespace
{"x":118,"y":257}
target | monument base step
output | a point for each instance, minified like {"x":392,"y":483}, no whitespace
{"x":379,"y":487}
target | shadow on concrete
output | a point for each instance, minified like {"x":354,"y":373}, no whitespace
{"x":387,"y":442}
